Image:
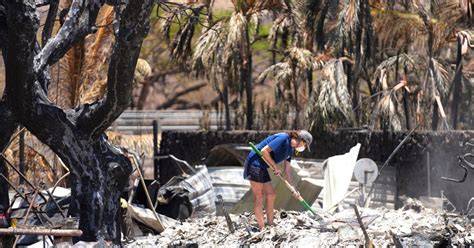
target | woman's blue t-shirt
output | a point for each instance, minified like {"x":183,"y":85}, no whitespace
{"x":280,"y":144}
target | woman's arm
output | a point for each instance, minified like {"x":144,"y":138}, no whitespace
{"x":266,"y":154}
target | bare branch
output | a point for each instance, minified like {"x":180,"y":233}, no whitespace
{"x":49,"y":24}
{"x":79,"y":22}
{"x":24,"y":95}
{"x":134,"y":25}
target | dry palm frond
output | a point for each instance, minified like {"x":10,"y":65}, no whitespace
{"x":403,"y":60}
{"x":249,"y":7}
{"x":332,"y":106}
{"x":439,"y":78}
{"x":96,"y":92}
{"x":97,"y":49}
{"x":137,"y":143}
{"x":65,"y":77}
{"x":282,"y":73}
{"x":387,"y":105}
{"x":235,"y":48}
{"x":467,"y":40}
{"x":396,"y":29}
{"x":207,"y":57}
{"x":142,"y":70}
{"x":294,"y":66}
{"x":280,"y":25}
{"x":186,"y":20}
{"x":237,"y":30}
{"x":301,"y":58}
{"x":347,"y":21}
{"x":39,"y":160}
{"x":454,"y":12}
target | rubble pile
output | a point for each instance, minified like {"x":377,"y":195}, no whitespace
{"x":412,"y":225}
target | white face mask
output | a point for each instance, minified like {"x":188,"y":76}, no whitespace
{"x":300,"y":149}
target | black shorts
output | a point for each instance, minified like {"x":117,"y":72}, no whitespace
{"x":256,"y":174}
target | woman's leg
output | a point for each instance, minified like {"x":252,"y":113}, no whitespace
{"x":270,"y":195}
{"x":257,"y":189}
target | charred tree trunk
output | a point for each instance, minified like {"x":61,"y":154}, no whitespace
{"x":95,"y":194}
{"x":99,"y":171}
{"x":406,"y":109}
{"x":457,"y":86}
{"x":247,"y":77}
{"x":7,"y":128}
{"x":297,"y":108}
{"x":296,"y":123}
{"x":435,"y":117}
{"x":225,"y":96}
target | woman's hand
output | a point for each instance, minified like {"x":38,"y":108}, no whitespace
{"x":276,"y":171}
{"x":296,"y":195}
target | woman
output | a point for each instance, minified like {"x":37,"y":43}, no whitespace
{"x":275,"y":148}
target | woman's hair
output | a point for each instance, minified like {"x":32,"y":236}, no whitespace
{"x":294,"y":135}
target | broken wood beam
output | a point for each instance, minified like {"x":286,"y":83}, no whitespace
{"x":368,"y":243}
{"x":41,"y":231}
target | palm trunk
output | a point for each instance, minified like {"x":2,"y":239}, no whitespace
{"x":435,"y":117}
{"x":226,"y":106}
{"x":309,"y":78}
{"x":297,"y":108}
{"x":247,"y":77}
{"x":406,"y":108}
{"x":457,"y":87}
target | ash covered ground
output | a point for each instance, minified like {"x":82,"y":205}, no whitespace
{"x":411,"y":226}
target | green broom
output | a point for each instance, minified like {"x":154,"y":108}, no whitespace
{"x":288,"y":185}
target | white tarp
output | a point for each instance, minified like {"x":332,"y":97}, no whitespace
{"x":337,"y":176}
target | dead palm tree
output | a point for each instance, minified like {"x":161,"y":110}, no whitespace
{"x":223,"y":50}
{"x":331,"y":107}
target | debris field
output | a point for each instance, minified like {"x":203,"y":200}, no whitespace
{"x":410,"y":226}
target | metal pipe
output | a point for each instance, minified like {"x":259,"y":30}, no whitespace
{"x":18,"y":171}
{"x":30,"y":207}
{"x":22,"y":175}
{"x":26,"y":215}
{"x":142,"y":179}
{"x":41,"y":231}
{"x":23,"y":196}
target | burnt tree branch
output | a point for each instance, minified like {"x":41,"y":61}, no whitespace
{"x":7,"y":128}
{"x":80,"y":21}
{"x":49,"y":24}
{"x":134,"y":25}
